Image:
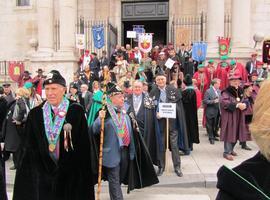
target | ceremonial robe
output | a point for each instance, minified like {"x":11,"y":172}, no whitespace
{"x":40,"y":177}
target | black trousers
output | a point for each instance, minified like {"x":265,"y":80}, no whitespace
{"x":116,"y":175}
{"x":212,"y":126}
{"x":173,"y":141}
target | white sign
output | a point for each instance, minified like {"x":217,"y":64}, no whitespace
{"x":131,"y":34}
{"x":80,"y":41}
{"x":167,"y":110}
{"x":169,"y":63}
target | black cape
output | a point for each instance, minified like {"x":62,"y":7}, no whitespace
{"x":146,"y":124}
{"x":3,"y":192}
{"x":190,"y":106}
{"x":141,"y":172}
{"x":39,"y":177}
{"x":256,"y":170}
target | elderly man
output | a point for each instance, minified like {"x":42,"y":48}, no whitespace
{"x":232,"y":116}
{"x":177,"y":127}
{"x":56,"y":163}
{"x":9,"y":96}
{"x":123,"y":151}
{"x":142,"y":108}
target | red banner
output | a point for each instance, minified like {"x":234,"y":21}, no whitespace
{"x":15,"y":69}
{"x":224,"y":46}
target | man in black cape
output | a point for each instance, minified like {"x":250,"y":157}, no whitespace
{"x":190,"y":106}
{"x":177,"y":127}
{"x":56,"y":162}
{"x":141,"y":107}
{"x":125,"y":156}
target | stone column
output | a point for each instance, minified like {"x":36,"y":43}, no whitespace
{"x":45,"y":27}
{"x":68,"y":18}
{"x":241,"y":10}
{"x":215,"y":23}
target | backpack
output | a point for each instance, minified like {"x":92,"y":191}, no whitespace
{"x":17,"y":111}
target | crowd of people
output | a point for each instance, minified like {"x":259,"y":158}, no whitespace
{"x":56,"y":160}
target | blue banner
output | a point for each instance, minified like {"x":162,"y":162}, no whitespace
{"x":199,"y":50}
{"x":98,"y":36}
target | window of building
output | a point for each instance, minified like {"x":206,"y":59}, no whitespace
{"x":23,"y":2}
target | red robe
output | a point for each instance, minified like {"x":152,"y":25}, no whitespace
{"x":202,"y":81}
{"x":209,"y":73}
{"x":241,"y":71}
{"x":222,"y":74}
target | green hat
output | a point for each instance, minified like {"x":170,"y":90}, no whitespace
{"x":210,"y":61}
{"x":201,"y":66}
{"x":28,"y":85}
{"x":224,"y":64}
{"x":233,"y":62}
{"x":225,"y":57}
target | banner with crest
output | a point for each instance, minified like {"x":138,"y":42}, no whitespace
{"x":98,"y":36}
{"x":145,"y":42}
{"x":15,"y":69}
{"x":199,"y":51}
{"x":224,"y":46}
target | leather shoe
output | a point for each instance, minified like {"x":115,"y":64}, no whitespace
{"x":212,"y":141}
{"x":216,"y":139}
{"x":246,"y":148}
{"x":178,"y":172}
{"x":160,"y":171}
{"x":233,"y":153}
{"x":228,"y":157}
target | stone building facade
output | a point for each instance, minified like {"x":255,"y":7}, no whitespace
{"x":42,"y":32}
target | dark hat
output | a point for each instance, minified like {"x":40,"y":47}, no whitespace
{"x":55,"y":77}
{"x":188,"y":80}
{"x":6,"y":85}
{"x":39,"y":71}
{"x":246,"y":85}
{"x":113,"y":89}
{"x":74,"y":86}
{"x":161,"y":73}
{"x":27,"y":72}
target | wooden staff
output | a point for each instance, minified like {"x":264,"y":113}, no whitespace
{"x":104,"y":98}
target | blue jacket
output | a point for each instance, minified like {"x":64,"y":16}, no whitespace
{"x":111,"y":145}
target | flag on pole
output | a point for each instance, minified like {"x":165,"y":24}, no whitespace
{"x":98,"y":36}
{"x":145,"y":42}
{"x":224,"y":46}
{"x":15,"y":69}
{"x":199,"y":50}
{"x":80,"y":41}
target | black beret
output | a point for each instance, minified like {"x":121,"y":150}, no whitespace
{"x":113,"y":89}
{"x":160,"y":73}
{"x":55,"y":77}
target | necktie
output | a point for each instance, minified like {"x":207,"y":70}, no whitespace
{"x":162,"y":96}
{"x":126,"y":138}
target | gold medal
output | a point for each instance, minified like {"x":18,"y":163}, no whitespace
{"x":51,"y":147}
{"x":237,"y":99}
